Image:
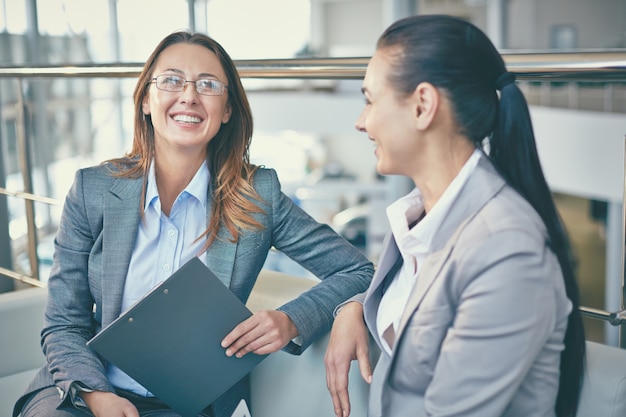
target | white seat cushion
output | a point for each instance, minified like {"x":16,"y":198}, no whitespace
{"x":604,"y":388}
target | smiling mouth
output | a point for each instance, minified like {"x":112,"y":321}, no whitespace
{"x":186,"y":119}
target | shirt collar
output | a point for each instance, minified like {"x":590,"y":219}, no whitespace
{"x":198,"y":187}
{"x":409,"y":208}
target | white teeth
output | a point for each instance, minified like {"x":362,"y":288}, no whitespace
{"x":186,"y":119}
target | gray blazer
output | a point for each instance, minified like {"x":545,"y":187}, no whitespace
{"x":94,"y":244}
{"x":482,"y":332}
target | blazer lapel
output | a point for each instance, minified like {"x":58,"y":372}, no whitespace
{"x":121,"y":217}
{"x":480,"y":187}
{"x":390,"y":255}
{"x":220,"y":256}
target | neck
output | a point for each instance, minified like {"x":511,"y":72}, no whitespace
{"x":444,"y":165}
{"x":172,"y":177}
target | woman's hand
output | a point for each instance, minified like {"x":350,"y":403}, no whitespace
{"x":263,"y":333}
{"x":349,"y":340}
{"x":109,"y":404}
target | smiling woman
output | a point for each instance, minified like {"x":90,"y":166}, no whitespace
{"x":185,"y":189}
{"x":476,"y":262}
{"x":184,"y":121}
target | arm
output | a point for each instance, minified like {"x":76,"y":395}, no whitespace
{"x":343,"y":269}
{"x":348,"y":341}
{"x":69,"y":318}
{"x":508,"y":307}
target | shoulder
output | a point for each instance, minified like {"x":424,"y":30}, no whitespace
{"x":89,"y":179}
{"x":509,"y":211}
{"x":504,"y":229}
{"x":506,"y":242}
{"x":93,"y":181}
{"x":105,"y":172}
{"x":263,"y":175}
{"x":265,"y":180}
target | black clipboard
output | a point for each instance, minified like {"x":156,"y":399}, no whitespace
{"x":169,"y":341}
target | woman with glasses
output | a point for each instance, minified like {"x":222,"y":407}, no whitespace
{"x":185,"y":189}
{"x":474,"y":304}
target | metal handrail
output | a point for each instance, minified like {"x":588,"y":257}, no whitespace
{"x":31,"y":197}
{"x":587,"y":65}
{"x":22,"y":278}
{"x":615,"y":319}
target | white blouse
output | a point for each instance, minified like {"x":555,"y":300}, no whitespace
{"x":414,"y":245}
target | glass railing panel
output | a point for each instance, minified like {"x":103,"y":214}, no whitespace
{"x":78,"y":116}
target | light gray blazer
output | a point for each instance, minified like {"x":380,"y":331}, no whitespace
{"x":482,"y":332}
{"x":94,"y":245}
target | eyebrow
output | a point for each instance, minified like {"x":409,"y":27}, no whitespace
{"x":202,"y":75}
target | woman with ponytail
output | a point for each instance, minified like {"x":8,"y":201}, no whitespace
{"x":474,"y":304}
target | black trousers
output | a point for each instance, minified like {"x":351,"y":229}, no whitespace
{"x":151,"y":404}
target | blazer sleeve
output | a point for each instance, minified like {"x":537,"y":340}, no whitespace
{"x":509,"y":305}
{"x":69,"y":318}
{"x":343,"y":270}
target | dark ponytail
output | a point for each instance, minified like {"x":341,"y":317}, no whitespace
{"x":514,"y":153}
{"x":459,"y":59}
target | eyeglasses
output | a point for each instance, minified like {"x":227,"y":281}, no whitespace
{"x":175,"y":83}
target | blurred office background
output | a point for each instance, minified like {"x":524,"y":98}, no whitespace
{"x":303,"y":127}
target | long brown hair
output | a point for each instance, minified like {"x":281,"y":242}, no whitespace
{"x":228,"y":156}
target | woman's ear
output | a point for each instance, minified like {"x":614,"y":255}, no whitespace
{"x":228,"y":111}
{"x":145,"y":105}
{"x":427,"y":99}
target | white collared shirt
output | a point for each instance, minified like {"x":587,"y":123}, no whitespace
{"x":163,"y":245}
{"x":415,"y":244}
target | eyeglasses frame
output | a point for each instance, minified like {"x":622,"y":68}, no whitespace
{"x":186,"y":81}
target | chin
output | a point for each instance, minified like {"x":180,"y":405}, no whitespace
{"x":382,"y":170}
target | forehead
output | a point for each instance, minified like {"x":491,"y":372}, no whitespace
{"x":190,"y":60}
{"x":377,"y":70}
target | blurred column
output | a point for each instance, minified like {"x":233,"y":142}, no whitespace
{"x":496,"y":22}
{"x":117,"y":96}
{"x":614,"y":272}
{"x":6,"y":261}
{"x":318,"y":39}
{"x":37,"y":132}
{"x":6,"y":284}
{"x":397,"y":9}
{"x":191,"y":11}
{"x":200,"y":15}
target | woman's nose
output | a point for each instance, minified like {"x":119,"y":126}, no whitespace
{"x":359,"y":123}
{"x":189,"y":92}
